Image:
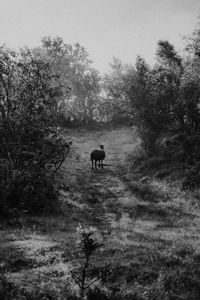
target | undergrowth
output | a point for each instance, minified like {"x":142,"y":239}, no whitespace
{"x":169,"y":273}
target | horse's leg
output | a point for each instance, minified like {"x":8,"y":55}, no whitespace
{"x":102,"y":163}
{"x":99,"y":163}
{"x":95,"y":164}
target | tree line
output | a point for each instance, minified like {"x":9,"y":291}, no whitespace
{"x":56,"y":84}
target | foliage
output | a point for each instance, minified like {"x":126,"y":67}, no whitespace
{"x":82,"y":276}
{"x":81,"y":82}
{"x":114,"y":104}
{"x":193,"y":40}
{"x":188,"y":102}
{"x":165,"y":97}
{"x":167,"y":55}
{"x":31,"y":149}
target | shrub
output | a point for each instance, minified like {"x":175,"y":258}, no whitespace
{"x":32,"y":148}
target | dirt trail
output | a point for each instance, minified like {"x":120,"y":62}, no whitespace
{"x":102,"y":188}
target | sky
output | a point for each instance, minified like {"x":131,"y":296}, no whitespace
{"x":106,"y":28}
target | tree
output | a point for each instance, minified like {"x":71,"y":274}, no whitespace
{"x":167,"y":56}
{"x":28,"y":92}
{"x":115,"y":105}
{"x":187,"y":109}
{"x":193,"y":41}
{"x":153,"y":94}
{"x":80,"y":81}
{"x":189,"y":102}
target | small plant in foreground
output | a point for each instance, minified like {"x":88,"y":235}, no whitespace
{"x":81,"y":275}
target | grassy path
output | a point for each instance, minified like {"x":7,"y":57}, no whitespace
{"x":139,"y":223}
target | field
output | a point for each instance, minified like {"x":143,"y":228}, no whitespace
{"x":149,"y":230}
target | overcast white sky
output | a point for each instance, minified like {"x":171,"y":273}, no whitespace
{"x":106,"y":28}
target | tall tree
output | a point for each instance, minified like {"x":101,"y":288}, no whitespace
{"x":167,"y":56}
{"x":75,"y":69}
{"x":115,"y":105}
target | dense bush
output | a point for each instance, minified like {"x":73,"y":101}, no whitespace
{"x":165,"y":98}
{"x":31,"y":149}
